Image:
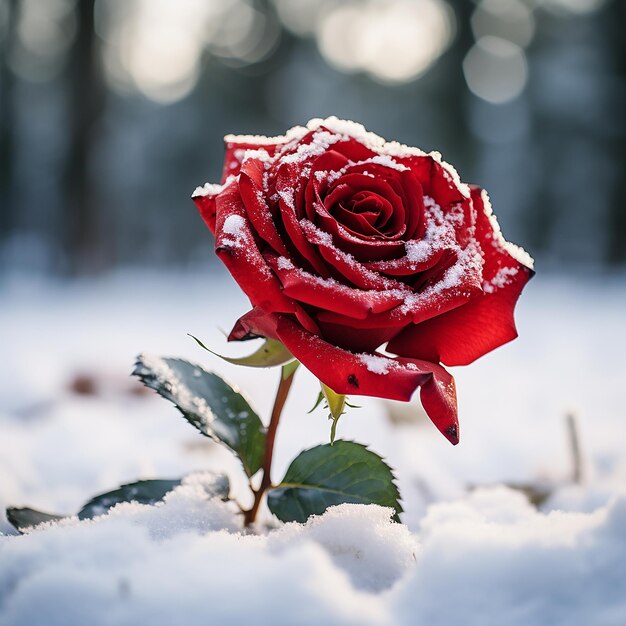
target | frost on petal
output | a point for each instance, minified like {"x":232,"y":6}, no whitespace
{"x":484,"y":323}
{"x":238,"y":250}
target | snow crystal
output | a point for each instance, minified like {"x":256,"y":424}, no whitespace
{"x":469,"y":264}
{"x":469,"y":261}
{"x":287,"y":197}
{"x":418,"y":251}
{"x":376,"y":364}
{"x":325,"y":239}
{"x":500,"y":280}
{"x":234,"y":225}
{"x":284,"y":263}
{"x":258,"y":154}
{"x":213,"y":189}
{"x":320,"y":142}
{"x":387,"y":161}
{"x":319,"y":235}
{"x":295,"y":133}
{"x":208,"y":189}
{"x":381,"y":159}
{"x":178,"y":390}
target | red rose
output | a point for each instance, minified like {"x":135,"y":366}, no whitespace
{"x":344,"y":242}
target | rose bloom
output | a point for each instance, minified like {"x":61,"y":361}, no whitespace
{"x":344,"y":243}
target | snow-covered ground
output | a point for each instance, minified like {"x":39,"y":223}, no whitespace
{"x":472,"y":551}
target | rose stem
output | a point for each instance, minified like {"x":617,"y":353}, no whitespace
{"x":279,"y":403}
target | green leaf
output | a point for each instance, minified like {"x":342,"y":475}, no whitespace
{"x":336,"y":403}
{"x":142,"y":491}
{"x":320,"y":397}
{"x":289,"y":369}
{"x":328,"y":475}
{"x":26,"y":518}
{"x":270,"y":354}
{"x":210,"y":404}
{"x":145,"y":492}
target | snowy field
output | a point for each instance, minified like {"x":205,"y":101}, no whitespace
{"x":471,"y":550}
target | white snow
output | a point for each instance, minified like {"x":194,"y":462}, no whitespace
{"x":387,"y":161}
{"x":212,"y":189}
{"x":320,"y":142}
{"x":178,"y":390}
{"x":234,"y":225}
{"x":287,"y":197}
{"x":284,"y":263}
{"x":501,"y":279}
{"x":295,"y":133}
{"x":470,"y":557}
{"x":376,"y":364}
{"x":208,"y":189}
{"x":259,"y":154}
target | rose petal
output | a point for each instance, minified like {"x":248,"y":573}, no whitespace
{"x":367,"y":374}
{"x":362,"y":249}
{"x":235,"y":151}
{"x":405,"y":265}
{"x":439,"y":181}
{"x":328,"y":294}
{"x":345,"y":264}
{"x":485,"y":322}
{"x":206,"y":206}
{"x":238,"y":250}
{"x":350,"y":185}
{"x":255,"y":201}
{"x":438,"y":396}
{"x":287,"y":187}
{"x":354,"y":338}
{"x":415,"y":308}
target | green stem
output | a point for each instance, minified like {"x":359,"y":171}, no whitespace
{"x":279,"y":403}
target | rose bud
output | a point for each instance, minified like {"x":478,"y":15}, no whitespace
{"x":344,"y":243}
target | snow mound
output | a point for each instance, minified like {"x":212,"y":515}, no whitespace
{"x":494,"y":559}
{"x":361,"y":540}
{"x":182,"y":562}
{"x":488,"y":558}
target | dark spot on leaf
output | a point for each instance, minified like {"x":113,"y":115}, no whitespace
{"x":352,"y":380}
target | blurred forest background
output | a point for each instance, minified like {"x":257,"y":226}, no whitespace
{"x":113,"y":111}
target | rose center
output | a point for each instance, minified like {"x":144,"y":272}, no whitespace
{"x":365,"y":212}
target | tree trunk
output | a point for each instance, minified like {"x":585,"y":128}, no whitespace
{"x":80,"y":229}
{"x":7,"y":124}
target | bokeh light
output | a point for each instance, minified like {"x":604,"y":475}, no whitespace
{"x":508,"y":19}
{"x":394,"y":41}
{"x":302,"y":17}
{"x":45,"y":32}
{"x":157,"y":46}
{"x":495,"y":69}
